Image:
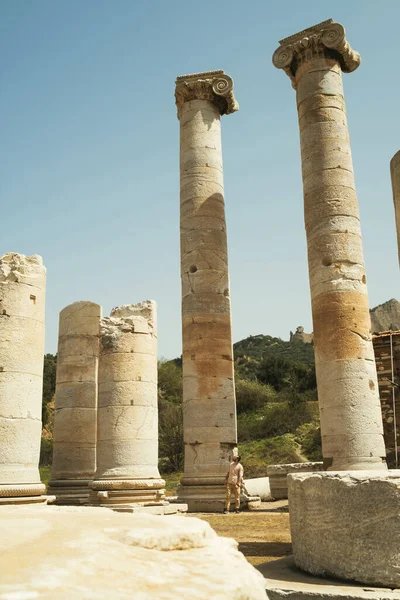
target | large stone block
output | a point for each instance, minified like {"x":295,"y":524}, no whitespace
{"x":347,"y":525}
{"x":81,"y":553}
{"x":278,"y":476}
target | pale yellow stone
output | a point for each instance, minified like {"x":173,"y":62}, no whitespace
{"x":22,"y":307}
{"x":82,"y":553}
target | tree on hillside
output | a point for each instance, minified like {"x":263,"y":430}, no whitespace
{"x":49,"y":384}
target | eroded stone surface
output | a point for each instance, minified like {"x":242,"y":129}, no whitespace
{"x":75,"y":416}
{"x":209,"y":405}
{"x":347,"y":525}
{"x":22,"y":306}
{"x":71,"y":552}
{"x":351,"y":422}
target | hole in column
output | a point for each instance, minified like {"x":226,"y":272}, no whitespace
{"x":371,"y":385}
{"x":193,"y":269}
{"x":226,"y":292}
{"x":327,"y":261}
{"x":4,"y":311}
{"x":33,"y":298}
{"x":364,"y":279}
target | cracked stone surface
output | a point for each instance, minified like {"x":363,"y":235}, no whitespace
{"x":75,"y":415}
{"x":351,"y":421}
{"x":127,"y":417}
{"x":93,"y":553}
{"x":22,"y":307}
{"x":209,"y":403}
{"x":347,"y":525}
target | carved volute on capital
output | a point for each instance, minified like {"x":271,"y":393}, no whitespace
{"x":325,"y":40}
{"x":215,"y":86}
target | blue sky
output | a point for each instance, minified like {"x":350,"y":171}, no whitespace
{"x":90,"y":150}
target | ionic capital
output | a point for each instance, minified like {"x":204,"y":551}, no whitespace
{"x":215,"y":86}
{"x":325,"y":40}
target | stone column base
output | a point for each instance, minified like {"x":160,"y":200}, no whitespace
{"x":346,"y":524}
{"x":73,"y":492}
{"x":117,"y":492}
{"x":24,"y":493}
{"x":278,"y":476}
{"x":211,"y":498}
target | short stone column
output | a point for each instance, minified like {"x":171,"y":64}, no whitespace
{"x":395,"y":173}
{"x":209,"y":405}
{"x":127,"y":419}
{"x":22,"y":305}
{"x":75,"y":416}
{"x":351,"y":421}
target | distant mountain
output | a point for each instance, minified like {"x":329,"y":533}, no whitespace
{"x":386,"y":316}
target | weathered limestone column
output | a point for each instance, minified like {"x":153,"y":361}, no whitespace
{"x":22,"y":303}
{"x":127,"y":419}
{"x":395,"y":173}
{"x":351,"y":421}
{"x":75,"y":417}
{"x":208,"y":380}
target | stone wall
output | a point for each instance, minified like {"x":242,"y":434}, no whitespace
{"x":382,"y":348}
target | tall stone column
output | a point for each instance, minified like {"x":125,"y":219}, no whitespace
{"x":75,"y":417}
{"x":22,"y":304}
{"x":395,"y":173}
{"x":127,"y":419}
{"x":209,"y":405}
{"x":351,"y":421}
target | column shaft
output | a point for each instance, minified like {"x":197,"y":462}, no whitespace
{"x":395,"y":174}
{"x":22,"y":306}
{"x":209,"y":405}
{"x":75,"y":418}
{"x":127,"y":432}
{"x":351,"y":421}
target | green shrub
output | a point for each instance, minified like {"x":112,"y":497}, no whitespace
{"x":309,"y":436}
{"x":252,"y":395}
{"x":257,"y":455}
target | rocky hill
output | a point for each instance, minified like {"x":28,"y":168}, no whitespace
{"x":386,"y":316}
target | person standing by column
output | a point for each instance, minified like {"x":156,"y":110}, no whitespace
{"x":234,"y":482}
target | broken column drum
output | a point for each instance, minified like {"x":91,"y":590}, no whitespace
{"x":127,"y":425}
{"x":395,"y":174}
{"x":75,"y":416}
{"x":22,"y":307}
{"x":209,"y":405}
{"x":351,"y":421}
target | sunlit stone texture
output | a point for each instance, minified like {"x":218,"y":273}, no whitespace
{"x":22,"y":304}
{"x":127,"y":419}
{"x":208,"y":380}
{"x":395,"y":173}
{"x":75,"y":417}
{"x":351,"y":421}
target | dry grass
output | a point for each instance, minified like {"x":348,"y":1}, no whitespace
{"x":262,"y":536}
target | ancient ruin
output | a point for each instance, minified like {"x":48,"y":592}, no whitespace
{"x":338,"y":542}
{"x":22,"y":303}
{"x":395,"y":173}
{"x":351,"y":424}
{"x":75,"y":418}
{"x":127,"y":418}
{"x":387,"y":358}
{"x":208,"y":386}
